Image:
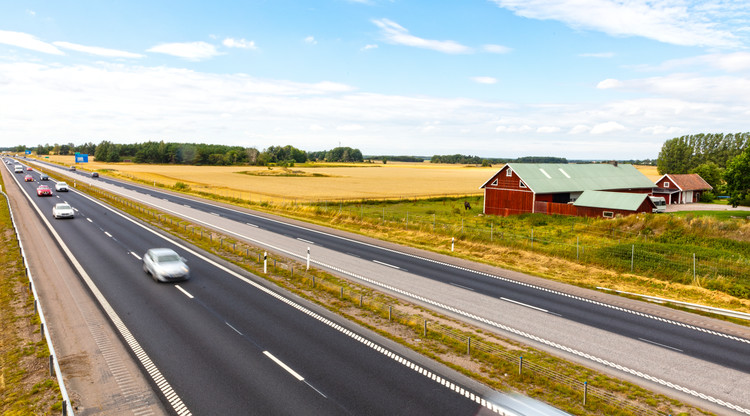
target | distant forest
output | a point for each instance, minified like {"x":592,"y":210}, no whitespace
{"x":213,"y":154}
{"x":198,"y":154}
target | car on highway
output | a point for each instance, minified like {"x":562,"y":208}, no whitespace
{"x":165,"y":265}
{"x":28,"y":178}
{"x":94,"y":174}
{"x":62,"y":210}
{"x":43,"y":177}
{"x":18,"y":169}
{"x":28,"y":168}
{"x":73,"y":168}
{"x":61,"y":187}
{"x":43,"y":190}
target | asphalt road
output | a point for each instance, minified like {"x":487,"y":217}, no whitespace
{"x":226,"y":343}
{"x":702,"y":358}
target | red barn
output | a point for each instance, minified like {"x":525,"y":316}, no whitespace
{"x":552,"y":188}
{"x":681,"y":189}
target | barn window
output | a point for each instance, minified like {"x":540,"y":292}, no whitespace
{"x":494,"y":183}
{"x":666,"y":184}
{"x":509,"y":172}
{"x":521,"y":184}
{"x":608,"y":214}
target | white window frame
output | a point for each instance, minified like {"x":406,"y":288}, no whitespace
{"x":608,"y":214}
{"x":666,"y":184}
{"x":509,"y":172}
{"x":521,"y":184}
{"x":494,"y":183}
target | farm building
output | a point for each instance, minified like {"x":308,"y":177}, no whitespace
{"x":553,"y":188}
{"x":681,"y":189}
{"x":610,"y":204}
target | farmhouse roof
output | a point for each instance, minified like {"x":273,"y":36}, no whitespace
{"x":610,"y":200}
{"x":688,"y":182}
{"x":545,"y":178}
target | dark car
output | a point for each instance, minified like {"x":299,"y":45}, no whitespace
{"x":94,"y":174}
{"x":43,"y":177}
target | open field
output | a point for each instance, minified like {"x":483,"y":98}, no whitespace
{"x":314,"y":182}
{"x":309,"y":182}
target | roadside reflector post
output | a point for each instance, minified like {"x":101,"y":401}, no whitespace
{"x":308,"y":258}
{"x":265,"y":262}
{"x":52,"y":365}
{"x":585,"y":391}
{"x":453,"y":242}
{"x":468,"y":346}
{"x":425,"y":328}
{"x":520,"y":365}
{"x":390,"y":310}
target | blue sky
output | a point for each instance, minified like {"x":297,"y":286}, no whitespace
{"x":585,"y":79}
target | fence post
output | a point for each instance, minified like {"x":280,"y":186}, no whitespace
{"x":693,"y":268}
{"x":265,"y":262}
{"x":425,"y":328}
{"x":632,"y":257}
{"x":577,"y":249}
{"x":453,"y":241}
{"x":532,"y":238}
{"x":407,"y":220}
{"x":520,"y":365}
{"x":462,"y":225}
{"x":390,"y":309}
{"x":433,"y":222}
{"x":491,"y":232}
{"x":308,"y":258}
{"x":52,"y":365}
{"x":360,"y":301}
{"x":468,"y":346}
{"x":342,"y":292}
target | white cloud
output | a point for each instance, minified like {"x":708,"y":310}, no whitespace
{"x":316,"y":127}
{"x":239,"y":43}
{"x":368,"y":47}
{"x":724,"y":89}
{"x":31,"y":12}
{"x":496,"y":49}
{"x":670,"y":21}
{"x":311,"y":40}
{"x":26,"y":41}
{"x":94,"y":50}
{"x":397,"y":34}
{"x":513,"y":129}
{"x":609,"y":83}
{"x":729,"y":62}
{"x":597,"y":55}
{"x":608,"y":127}
{"x":548,"y":129}
{"x":349,"y":127}
{"x":579,"y":129}
{"x":662,"y":131}
{"x":484,"y":80}
{"x":192,"y":51}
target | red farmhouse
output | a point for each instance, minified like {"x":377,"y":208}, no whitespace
{"x":681,"y":189}
{"x":553,"y":188}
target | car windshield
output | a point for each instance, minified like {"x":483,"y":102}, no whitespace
{"x":62,"y":184}
{"x":63,"y":206}
{"x":167,"y":258}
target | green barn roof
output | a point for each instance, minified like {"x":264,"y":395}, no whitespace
{"x":610,"y":200}
{"x":547,"y":178}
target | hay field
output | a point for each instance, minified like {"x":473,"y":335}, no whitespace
{"x":330,"y":181}
{"x":314,"y":182}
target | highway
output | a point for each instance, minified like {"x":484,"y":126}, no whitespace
{"x":643,"y":343}
{"x":228,"y":343}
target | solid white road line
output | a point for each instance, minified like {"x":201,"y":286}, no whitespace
{"x":462,"y":287}
{"x":136,"y":256}
{"x":305,"y":241}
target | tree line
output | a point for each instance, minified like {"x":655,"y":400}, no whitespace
{"x":722,"y":160}
{"x":197,"y":153}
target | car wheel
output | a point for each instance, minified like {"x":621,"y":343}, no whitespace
{"x":145,"y":269}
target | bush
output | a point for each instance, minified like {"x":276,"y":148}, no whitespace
{"x":708,"y":197}
{"x":181,"y":186}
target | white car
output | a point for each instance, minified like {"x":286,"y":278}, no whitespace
{"x":165,"y":265}
{"x":62,"y":210}
{"x":61,"y":187}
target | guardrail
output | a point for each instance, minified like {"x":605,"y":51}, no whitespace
{"x":704,"y":308}
{"x":54,"y":364}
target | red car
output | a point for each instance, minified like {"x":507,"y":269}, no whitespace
{"x":28,"y":178}
{"x":43,"y":190}
{"x":28,"y":168}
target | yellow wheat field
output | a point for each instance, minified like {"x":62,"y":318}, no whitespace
{"x":319,"y":182}
{"x":331,"y":181}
